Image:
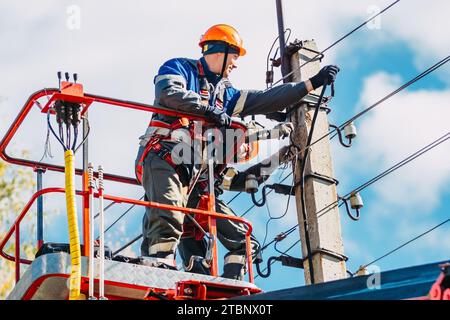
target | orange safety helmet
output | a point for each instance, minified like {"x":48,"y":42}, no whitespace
{"x":225,"y":33}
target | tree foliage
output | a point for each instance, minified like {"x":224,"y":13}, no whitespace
{"x":16,"y":187}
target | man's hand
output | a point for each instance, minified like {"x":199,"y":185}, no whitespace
{"x":327,"y":75}
{"x":285,"y":129}
{"x":218,"y":116}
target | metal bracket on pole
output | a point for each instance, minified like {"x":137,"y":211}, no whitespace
{"x":321,"y":177}
{"x":329,"y":253}
{"x":311,"y":103}
{"x":282,"y":189}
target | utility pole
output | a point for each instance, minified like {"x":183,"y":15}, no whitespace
{"x":321,"y":239}
{"x":323,"y":230}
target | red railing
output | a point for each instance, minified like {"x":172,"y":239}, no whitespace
{"x":87,"y":100}
{"x":15,"y":228}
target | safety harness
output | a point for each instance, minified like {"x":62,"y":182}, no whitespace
{"x":164,"y":130}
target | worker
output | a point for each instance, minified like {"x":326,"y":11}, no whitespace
{"x":199,"y":87}
{"x":230,"y":233}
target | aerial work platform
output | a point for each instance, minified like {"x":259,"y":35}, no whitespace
{"x":63,"y":276}
{"x":47,"y":279}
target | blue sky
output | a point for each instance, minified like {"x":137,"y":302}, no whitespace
{"x":117,"y":51}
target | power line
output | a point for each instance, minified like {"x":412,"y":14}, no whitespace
{"x":404,"y":244}
{"x":319,"y":54}
{"x":337,"y":41}
{"x":405,"y":161}
{"x":386,"y":172}
{"x":270,"y":191}
{"x":381,"y":257}
{"x":395,"y":167}
{"x":390,"y":95}
{"x":122,"y":215}
{"x":404,"y":86}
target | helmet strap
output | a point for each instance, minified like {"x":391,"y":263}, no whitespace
{"x":225,"y":58}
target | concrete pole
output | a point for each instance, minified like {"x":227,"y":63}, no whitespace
{"x":325,"y":231}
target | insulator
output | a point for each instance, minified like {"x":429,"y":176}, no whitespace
{"x":90,"y":174}
{"x":356,"y":201}
{"x":76,"y":114}
{"x":60,"y":111}
{"x":251,"y":184}
{"x":100,"y":177}
{"x":350,"y":131}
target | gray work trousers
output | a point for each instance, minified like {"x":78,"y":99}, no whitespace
{"x":162,"y":229}
{"x":230,"y":233}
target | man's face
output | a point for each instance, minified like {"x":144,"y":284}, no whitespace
{"x":231,"y":64}
{"x":215,"y":63}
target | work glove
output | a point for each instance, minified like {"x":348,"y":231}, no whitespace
{"x":285,"y":129}
{"x":218,"y":116}
{"x":326,"y":75}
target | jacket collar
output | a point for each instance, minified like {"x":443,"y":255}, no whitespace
{"x":211,"y":76}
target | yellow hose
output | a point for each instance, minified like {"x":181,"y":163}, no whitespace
{"x":74,"y":238}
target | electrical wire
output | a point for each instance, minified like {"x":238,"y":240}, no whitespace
{"x":386,"y":172}
{"x":240,"y":192}
{"x":86,"y":136}
{"x":302,"y":180}
{"x":53,"y":131}
{"x":400,"y":164}
{"x":407,"y":84}
{"x":75,"y":137}
{"x":279,"y":217}
{"x":269,"y":264}
{"x":268,"y":84}
{"x":121,"y":216}
{"x":403,"y":245}
{"x":336,"y":42}
{"x":127,"y":245}
{"x":393,"y":168}
{"x":405,"y":161}
{"x":370,"y":182}
{"x":270,"y":191}
{"x":390,"y":95}
{"x":302,"y":186}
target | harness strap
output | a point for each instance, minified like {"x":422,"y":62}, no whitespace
{"x":160,"y":150}
{"x":203,"y":82}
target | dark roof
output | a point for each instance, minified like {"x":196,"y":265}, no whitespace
{"x":406,"y":283}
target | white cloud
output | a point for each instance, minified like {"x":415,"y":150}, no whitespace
{"x":119,"y":47}
{"x":398,"y":128}
{"x":399,"y":204}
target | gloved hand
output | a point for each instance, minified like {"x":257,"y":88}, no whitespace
{"x":326,"y":75}
{"x":218,"y":116}
{"x":285,"y":129}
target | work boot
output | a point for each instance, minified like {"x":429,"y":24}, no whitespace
{"x":235,"y":271}
{"x":163,"y":260}
{"x":234,"y":266}
{"x":198,"y":265}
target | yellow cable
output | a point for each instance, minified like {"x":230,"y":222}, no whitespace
{"x":74,"y":238}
